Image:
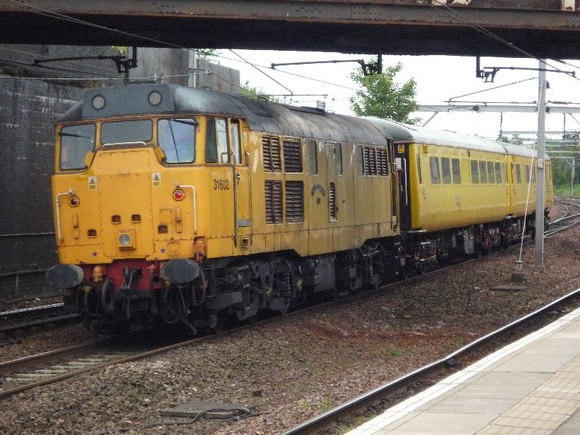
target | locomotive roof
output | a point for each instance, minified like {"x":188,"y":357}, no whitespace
{"x":133,"y":99}
{"x":423,"y":135}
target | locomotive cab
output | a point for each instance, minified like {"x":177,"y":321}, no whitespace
{"x":133,"y":195}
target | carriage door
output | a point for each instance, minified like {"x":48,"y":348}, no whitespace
{"x":229,"y":211}
{"x":402,"y":164}
{"x":511,"y":184}
{"x":241,"y":188}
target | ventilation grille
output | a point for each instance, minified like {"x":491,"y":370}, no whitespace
{"x":370,"y":161}
{"x":294,"y":201}
{"x":292,"y":156}
{"x":271,"y":153}
{"x":375,"y":161}
{"x":382,"y":161}
{"x":332,"y":202}
{"x":273,"y":194}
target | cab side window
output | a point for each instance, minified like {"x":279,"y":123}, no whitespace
{"x":236,"y":141}
{"x":216,"y":145}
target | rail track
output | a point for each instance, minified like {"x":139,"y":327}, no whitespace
{"x":383,"y":396}
{"x":35,"y":317}
{"x":568,"y":220}
{"x":55,"y":366}
{"x":60,"y":364}
{"x":415,"y":381}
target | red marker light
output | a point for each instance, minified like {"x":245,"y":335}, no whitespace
{"x":178,"y":195}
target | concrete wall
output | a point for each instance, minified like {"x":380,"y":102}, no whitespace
{"x":172,"y":66}
{"x":31,"y":99}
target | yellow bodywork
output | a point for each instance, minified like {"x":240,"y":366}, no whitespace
{"x":126,"y":207}
{"x":455,"y":203}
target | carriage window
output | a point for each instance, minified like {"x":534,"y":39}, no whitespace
{"x":474,"y":172}
{"x":456,"y":171}
{"x":236,"y":141}
{"x":518,"y":173}
{"x":490,"y":173}
{"x":216,"y":141}
{"x":177,"y":139}
{"x":75,"y":142}
{"x":498,"y":178}
{"x":126,"y":131}
{"x":445,"y":170}
{"x":527,"y":174}
{"x":435,"y":175}
{"x":313,"y":156}
{"x":419,"y":170}
{"x":482,"y":172}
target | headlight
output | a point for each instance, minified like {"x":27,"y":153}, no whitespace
{"x":126,"y":239}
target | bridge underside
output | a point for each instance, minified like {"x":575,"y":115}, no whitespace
{"x":544,"y":29}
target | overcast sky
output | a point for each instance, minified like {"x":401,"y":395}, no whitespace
{"x":438,"y":78}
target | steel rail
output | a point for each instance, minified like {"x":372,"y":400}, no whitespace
{"x":328,"y":419}
{"x":65,"y":318}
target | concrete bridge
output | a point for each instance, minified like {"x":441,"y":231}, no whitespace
{"x":514,"y":28}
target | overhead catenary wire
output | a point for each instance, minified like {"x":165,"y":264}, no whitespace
{"x":495,"y":37}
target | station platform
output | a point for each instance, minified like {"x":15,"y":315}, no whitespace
{"x":531,"y":386}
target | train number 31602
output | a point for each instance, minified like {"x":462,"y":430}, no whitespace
{"x":221,"y":184}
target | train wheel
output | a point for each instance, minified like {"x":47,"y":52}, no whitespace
{"x":421,"y":268}
{"x":282,"y":286}
{"x":403,"y":273}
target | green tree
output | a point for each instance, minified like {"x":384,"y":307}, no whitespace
{"x":250,"y":91}
{"x":382,"y":96}
{"x":208,"y":53}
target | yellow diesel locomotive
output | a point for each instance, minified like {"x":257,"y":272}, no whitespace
{"x":189,"y":205}
{"x":185,"y":205}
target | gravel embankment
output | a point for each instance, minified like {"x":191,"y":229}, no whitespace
{"x":301,"y":366}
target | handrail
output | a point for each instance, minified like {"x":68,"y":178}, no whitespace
{"x":194,"y":200}
{"x":57,"y":197}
